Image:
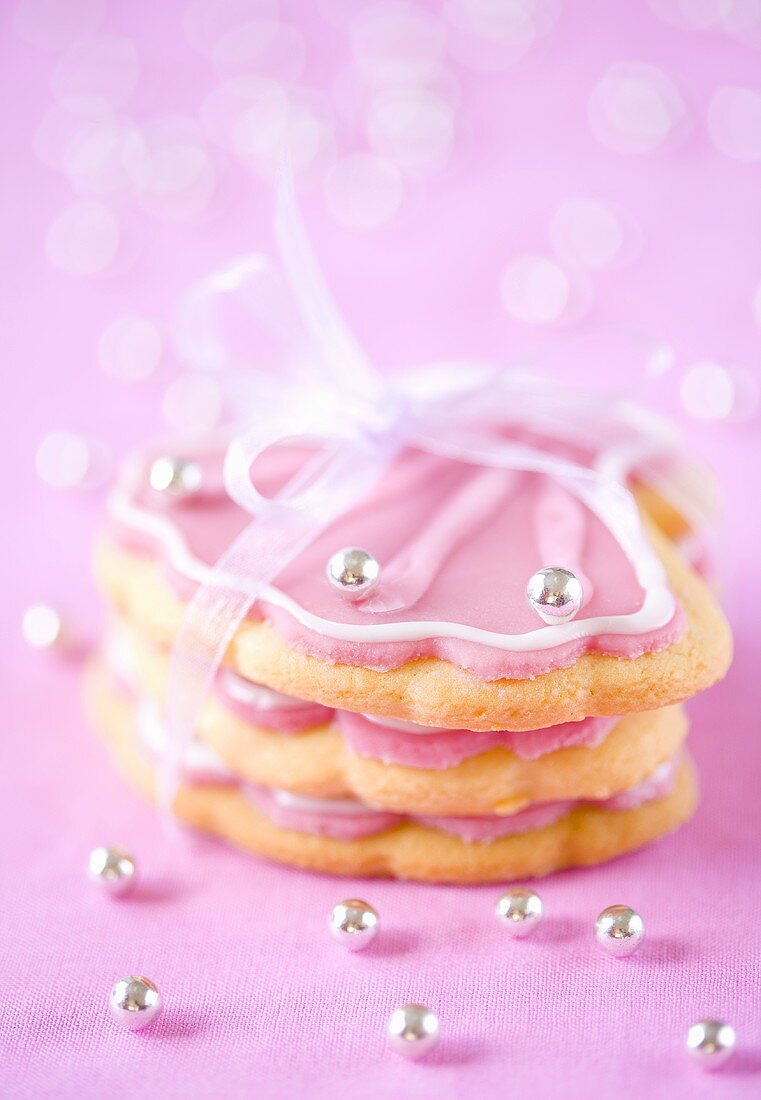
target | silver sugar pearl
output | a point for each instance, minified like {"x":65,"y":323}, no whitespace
{"x":710,"y":1043}
{"x":354,"y":923}
{"x":175,"y":478}
{"x":112,"y":870}
{"x":413,"y":1031}
{"x":555,"y":594}
{"x":519,"y":910}
{"x":42,"y":627}
{"x":134,"y":1002}
{"x":619,"y":930}
{"x":353,"y":572}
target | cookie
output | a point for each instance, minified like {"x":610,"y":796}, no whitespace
{"x":582,"y":835}
{"x":272,"y":740}
{"x":447,"y":638}
{"x":436,"y":691}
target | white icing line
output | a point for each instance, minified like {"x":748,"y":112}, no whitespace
{"x":343,"y":806}
{"x":403,"y":727}
{"x":118,"y":655}
{"x":199,"y":758}
{"x":257,"y":695}
{"x":414,"y":567}
{"x":657,"y":609}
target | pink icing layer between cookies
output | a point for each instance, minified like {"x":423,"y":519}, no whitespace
{"x":439,"y":749}
{"x":457,"y":544}
{"x":268,"y":709}
{"x":402,"y":743}
{"x":351,"y":820}
{"x":397,"y":742}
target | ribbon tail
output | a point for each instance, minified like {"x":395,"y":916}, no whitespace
{"x":212,"y":617}
{"x":286,"y":527}
{"x":345,"y":364}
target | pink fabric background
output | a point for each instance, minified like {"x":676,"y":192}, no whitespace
{"x":259,"y":1000}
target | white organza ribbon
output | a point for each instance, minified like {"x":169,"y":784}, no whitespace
{"x":358,"y":421}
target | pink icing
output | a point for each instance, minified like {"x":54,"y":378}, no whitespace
{"x":439,"y":749}
{"x":656,"y":785}
{"x":284,"y":718}
{"x":480,"y":830}
{"x":418,"y":747}
{"x":350,"y":820}
{"x":479,"y":580}
{"x":486,"y":662}
{"x":351,"y":825}
{"x":415,"y":746}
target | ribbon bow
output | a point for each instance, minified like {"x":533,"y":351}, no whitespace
{"x":358,"y":421}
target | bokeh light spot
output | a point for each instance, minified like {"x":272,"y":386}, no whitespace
{"x":692,"y":14}
{"x":105,"y":66}
{"x":65,"y":460}
{"x":734,"y":123}
{"x":277,"y":123}
{"x":225,"y":106}
{"x":413,"y":127}
{"x":83,"y":238}
{"x":130,"y":348}
{"x":205,"y":22}
{"x":710,"y":391}
{"x":262,"y":46}
{"x":397,"y":43}
{"x":193,"y":403}
{"x":168,"y":164}
{"x":660,"y":359}
{"x":56,"y":24}
{"x":67,"y":124}
{"x":535,"y":290}
{"x":756,"y":305}
{"x":634,"y":108}
{"x":42,"y":626}
{"x":363,"y":191}
{"x":586,"y":234}
{"x":490,"y":35}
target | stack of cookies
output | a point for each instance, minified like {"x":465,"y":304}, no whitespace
{"x":466,"y":677}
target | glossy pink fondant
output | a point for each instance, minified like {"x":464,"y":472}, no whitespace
{"x":439,"y":749}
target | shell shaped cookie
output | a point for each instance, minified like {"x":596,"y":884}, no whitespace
{"x":447,"y":636}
